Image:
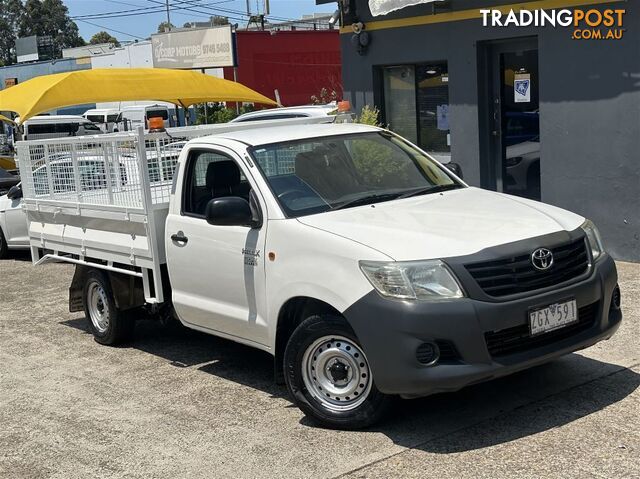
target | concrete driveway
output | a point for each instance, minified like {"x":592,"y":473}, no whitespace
{"x":182,"y":404}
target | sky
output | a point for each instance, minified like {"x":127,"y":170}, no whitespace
{"x":144,"y":23}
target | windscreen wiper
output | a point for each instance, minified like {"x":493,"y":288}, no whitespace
{"x":366,"y":200}
{"x":429,"y":190}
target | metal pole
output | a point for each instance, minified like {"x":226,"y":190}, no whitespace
{"x":168,"y":17}
{"x":206,"y":108}
{"x":235,"y":79}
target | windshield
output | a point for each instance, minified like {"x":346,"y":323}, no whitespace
{"x":322,"y":174}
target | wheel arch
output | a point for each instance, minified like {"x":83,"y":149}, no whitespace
{"x":291,"y":314}
{"x":127,"y":290}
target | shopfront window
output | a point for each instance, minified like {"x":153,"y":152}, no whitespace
{"x":400,"y":101}
{"x":416,"y":105}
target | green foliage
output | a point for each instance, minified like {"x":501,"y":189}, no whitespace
{"x":217,"y":20}
{"x":219,"y":113}
{"x":165,"y":27}
{"x":10,"y":11}
{"x":104,"y":37}
{"x":36,"y":17}
{"x":370,"y":115}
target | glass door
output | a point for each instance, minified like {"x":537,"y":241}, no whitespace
{"x":515,"y":117}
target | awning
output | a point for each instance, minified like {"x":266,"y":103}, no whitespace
{"x":382,"y":7}
{"x":6,"y":120}
{"x":180,"y":87}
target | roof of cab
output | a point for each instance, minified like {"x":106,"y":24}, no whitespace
{"x":278,"y":134}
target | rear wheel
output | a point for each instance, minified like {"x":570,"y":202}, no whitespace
{"x":108,"y":325}
{"x":328,"y":375}
{"x":4,"y":248}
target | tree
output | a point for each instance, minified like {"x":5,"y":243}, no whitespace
{"x":44,"y":18}
{"x":10,"y":12}
{"x":165,"y":27}
{"x":217,"y":20}
{"x":104,"y":37}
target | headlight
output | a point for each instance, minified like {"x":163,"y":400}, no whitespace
{"x":593,"y":236}
{"x":412,"y":279}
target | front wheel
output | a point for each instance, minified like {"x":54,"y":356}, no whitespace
{"x":328,"y":375}
{"x":108,"y":325}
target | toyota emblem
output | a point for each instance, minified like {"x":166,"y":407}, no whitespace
{"x":542,"y":259}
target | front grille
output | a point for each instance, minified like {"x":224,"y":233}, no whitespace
{"x":518,"y":339}
{"x":516,"y":274}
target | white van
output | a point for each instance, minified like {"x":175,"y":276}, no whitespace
{"x":138,"y":115}
{"x":57,"y":126}
{"x":107,"y":119}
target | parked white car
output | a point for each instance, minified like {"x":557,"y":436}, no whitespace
{"x":138,"y":115}
{"x":109,"y":120}
{"x":285,"y":113}
{"x":366,"y":268}
{"x":13,"y":223}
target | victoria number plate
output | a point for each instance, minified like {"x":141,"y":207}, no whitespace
{"x":554,"y":316}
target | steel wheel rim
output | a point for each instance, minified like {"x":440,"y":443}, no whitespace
{"x":336,"y":373}
{"x":98,"y":307}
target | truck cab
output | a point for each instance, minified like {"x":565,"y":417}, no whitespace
{"x":366,"y":268}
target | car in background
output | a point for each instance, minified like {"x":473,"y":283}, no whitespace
{"x":286,"y":113}
{"x":7,"y":180}
{"x":138,"y":115}
{"x":107,"y":119}
{"x":57,"y":126}
{"x":13,"y":222}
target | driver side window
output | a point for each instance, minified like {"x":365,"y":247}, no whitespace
{"x":211,"y":175}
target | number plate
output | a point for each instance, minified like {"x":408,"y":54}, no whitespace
{"x":552,"y":317}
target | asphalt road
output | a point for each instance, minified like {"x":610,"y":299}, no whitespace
{"x":182,"y":404}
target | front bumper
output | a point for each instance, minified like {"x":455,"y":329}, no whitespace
{"x":391,"y":331}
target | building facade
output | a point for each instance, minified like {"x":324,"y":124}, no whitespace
{"x":537,"y":111}
{"x":298,"y":64}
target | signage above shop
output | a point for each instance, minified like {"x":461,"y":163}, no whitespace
{"x":194,"y":48}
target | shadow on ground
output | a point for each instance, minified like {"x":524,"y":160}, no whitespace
{"x":18,"y":255}
{"x":534,"y":401}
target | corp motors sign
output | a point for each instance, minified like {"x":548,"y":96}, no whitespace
{"x":593,"y":24}
{"x":194,"y":48}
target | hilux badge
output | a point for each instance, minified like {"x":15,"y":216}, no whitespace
{"x":542,"y":259}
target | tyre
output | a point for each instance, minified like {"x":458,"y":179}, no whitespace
{"x":328,"y":375}
{"x":4,"y":248}
{"x":108,"y":325}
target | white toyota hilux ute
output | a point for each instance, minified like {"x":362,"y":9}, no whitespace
{"x":366,"y":268}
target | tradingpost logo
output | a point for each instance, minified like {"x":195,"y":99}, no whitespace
{"x":585,"y":24}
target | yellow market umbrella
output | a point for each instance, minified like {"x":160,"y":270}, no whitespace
{"x":180,"y":87}
{"x":6,"y":120}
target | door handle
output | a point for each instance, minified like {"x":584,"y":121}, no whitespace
{"x":179,"y":237}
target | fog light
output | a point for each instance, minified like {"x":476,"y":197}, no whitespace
{"x":427,"y":353}
{"x":616,"y":298}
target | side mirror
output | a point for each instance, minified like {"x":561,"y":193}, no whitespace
{"x":455,"y":168}
{"x":14,"y":193}
{"x":229,"y":211}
